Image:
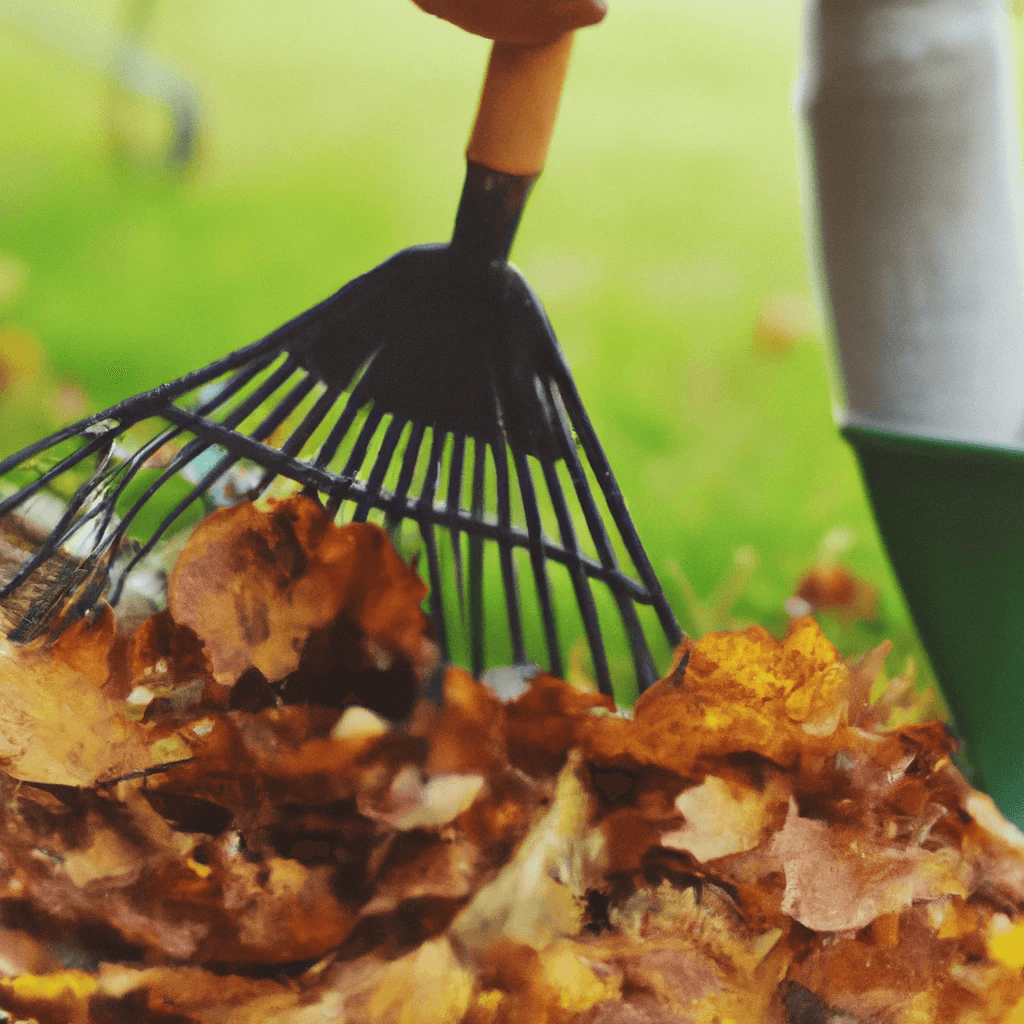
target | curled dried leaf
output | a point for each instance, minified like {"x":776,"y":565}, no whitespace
{"x":739,"y":693}
{"x":723,"y":818}
{"x":838,"y":879}
{"x":255,"y":585}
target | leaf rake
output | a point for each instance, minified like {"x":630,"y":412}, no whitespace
{"x":429,"y":394}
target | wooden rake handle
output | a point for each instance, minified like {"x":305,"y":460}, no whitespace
{"x":518,"y":107}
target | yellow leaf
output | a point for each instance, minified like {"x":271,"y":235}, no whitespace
{"x":50,"y":986}
{"x":1006,"y":942}
{"x":58,"y":727}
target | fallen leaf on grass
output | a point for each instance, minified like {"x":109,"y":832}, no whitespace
{"x":830,"y":587}
{"x":781,"y":322}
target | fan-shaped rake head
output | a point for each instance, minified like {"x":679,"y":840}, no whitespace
{"x":429,"y":394}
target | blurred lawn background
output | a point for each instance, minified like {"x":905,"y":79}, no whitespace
{"x":665,"y":238}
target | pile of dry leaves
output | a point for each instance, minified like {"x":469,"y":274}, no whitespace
{"x":246,"y":811}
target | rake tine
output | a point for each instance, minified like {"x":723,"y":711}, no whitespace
{"x":68,"y":524}
{"x":643,"y":664}
{"x":569,"y":401}
{"x":255,"y":357}
{"x":128,"y":411}
{"x":190,"y":452}
{"x":426,"y":501}
{"x":540,"y":565}
{"x":328,"y":482}
{"x":357,"y":398}
{"x":128,"y":470}
{"x":93,"y":446}
{"x":476,"y":562}
{"x":241,"y":447}
{"x":223,"y":394}
{"x":244,"y":447}
{"x":388,"y":444}
{"x":74,"y":431}
{"x":193,"y":449}
{"x":90,"y":592}
{"x":436,"y":600}
{"x":300,"y":435}
{"x":284,"y":408}
{"x":187,"y":454}
{"x":196,"y":494}
{"x":40,"y":611}
{"x":281,"y":411}
{"x":362,"y":444}
{"x":455,"y":471}
{"x":186,"y":419}
{"x":196,"y":447}
{"x":405,"y":474}
{"x":262,"y":393}
{"x":580,"y":581}
{"x":37,"y":559}
{"x":157,"y":401}
{"x":304,"y":431}
{"x":71,"y":574}
{"x":230,"y":387}
{"x":356,"y":456}
{"x":508,"y":568}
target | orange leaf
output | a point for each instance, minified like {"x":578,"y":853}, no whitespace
{"x":254,"y":585}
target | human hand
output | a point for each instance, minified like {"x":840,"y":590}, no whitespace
{"x":526,"y":22}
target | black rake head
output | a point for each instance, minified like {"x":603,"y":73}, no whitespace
{"x":431,"y":395}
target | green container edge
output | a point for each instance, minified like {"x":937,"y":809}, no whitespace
{"x":951,"y":517}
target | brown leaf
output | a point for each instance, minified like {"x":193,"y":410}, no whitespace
{"x":183,"y":994}
{"x":87,"y":644}
{"x":740,"y":693}
{"x":254,"y":585}
{"x":429,"y":985}
{"x":58,"y":727}
{"x":834,"y":588}
{"x":863,"y":673}
{"x":839,"y":879}
{"x":467,"y":733}
{"x":409,"y":803}
{"x":162,"y":651}
{"x":546,"y":722}
{"x":537,"y":895}
{"x":22,"y":363}
{"x":422,"y":866}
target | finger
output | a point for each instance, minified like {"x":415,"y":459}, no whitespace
{"x":574,"y":14}
{"x":548,"y":20}
{"x":518,"y":21}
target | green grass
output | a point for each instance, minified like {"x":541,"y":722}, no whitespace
{"x":668,"y":216}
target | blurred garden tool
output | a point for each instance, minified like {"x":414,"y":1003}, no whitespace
{"x":916,"y":159}
{"x":132,"y":70}
{"x":440,"y":348}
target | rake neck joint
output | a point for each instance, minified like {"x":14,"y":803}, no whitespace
{"x":492,"y":203}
